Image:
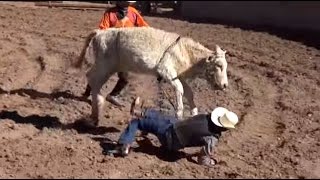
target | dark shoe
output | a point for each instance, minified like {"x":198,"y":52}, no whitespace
{"x":144,"y":134}
{"x":120,"y":150}
{"x":114,"y":100}
{"x":124,"y":150}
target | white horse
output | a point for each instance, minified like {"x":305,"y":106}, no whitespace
{"x":150,"y":51}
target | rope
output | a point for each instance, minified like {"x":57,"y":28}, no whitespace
{"x":160,"y":84}
{"x":167,"y":96}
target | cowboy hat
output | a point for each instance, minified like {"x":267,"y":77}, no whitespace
{"x":224,"y":118}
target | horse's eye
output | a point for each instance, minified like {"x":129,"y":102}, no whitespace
{"x":219,"y":66}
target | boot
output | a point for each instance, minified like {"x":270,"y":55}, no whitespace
{"x":114,"y":100}
{"x":122,"y":149}
{"x":135,"y":110}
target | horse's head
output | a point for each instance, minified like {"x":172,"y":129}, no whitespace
{"x":219,"y":63}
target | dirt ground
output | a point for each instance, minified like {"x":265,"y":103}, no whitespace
{"x":274,"y":88}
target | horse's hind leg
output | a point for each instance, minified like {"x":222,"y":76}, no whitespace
{"x":179,"y":93}
{"x":96,"y":78}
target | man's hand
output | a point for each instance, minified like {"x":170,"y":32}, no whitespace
{"x":206,"y":152}
{"x":206,"y":161}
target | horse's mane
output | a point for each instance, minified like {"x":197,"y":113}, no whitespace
{"x":196,"y":50}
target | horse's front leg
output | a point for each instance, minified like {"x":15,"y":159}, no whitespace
{"x":179,"y":93}
{"x":168,"y":72}
{"x":97,"y":106}
{"x":190,"y":97}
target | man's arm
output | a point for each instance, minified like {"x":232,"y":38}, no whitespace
{"x":206,"y":151}
{"x":105,"y":21}
{"x":140,"y":22}
{"x":210,"y":143}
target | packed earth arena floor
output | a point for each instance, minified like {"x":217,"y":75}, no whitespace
{"x":274,"y":87}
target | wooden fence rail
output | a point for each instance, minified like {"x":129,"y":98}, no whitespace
{"x":51,"y":4}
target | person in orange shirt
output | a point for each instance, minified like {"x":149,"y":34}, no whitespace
{"x":123,"y":15}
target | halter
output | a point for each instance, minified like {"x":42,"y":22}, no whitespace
{"x":168,"y":48}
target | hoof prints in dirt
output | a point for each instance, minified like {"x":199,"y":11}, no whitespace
{"x":41,"y":62}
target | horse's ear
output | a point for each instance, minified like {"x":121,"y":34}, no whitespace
{"x":219,"y":50}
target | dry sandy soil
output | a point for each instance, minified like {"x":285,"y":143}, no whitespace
{"x":274,"y":88}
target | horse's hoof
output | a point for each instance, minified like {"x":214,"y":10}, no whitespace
{"x":180,"y":115}
{"x":194,"y":112}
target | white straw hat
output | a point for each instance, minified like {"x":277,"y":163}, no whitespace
{"x":224,"y":118}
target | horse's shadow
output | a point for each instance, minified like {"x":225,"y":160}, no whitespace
{"x":41,"y":122}
{"x":47,"y":121}
{"x":34,"y":94}
{"x":146,"y":146}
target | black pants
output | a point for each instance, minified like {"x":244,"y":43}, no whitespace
{"x":121,"y":84}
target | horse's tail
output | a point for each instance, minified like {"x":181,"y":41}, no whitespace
{"x":88,"y":43}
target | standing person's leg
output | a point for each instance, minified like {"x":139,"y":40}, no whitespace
{"x":112,"y":97}
{"x":121,"y":84}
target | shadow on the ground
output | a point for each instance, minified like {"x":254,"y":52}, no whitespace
{"x":145,"y":146}
{"x":34,"y":94}
{"x":47,"y":121}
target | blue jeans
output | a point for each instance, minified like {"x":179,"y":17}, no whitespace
{"x":153,"y":122}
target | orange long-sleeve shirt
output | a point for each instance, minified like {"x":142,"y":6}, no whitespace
{"x":132,"y":19}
